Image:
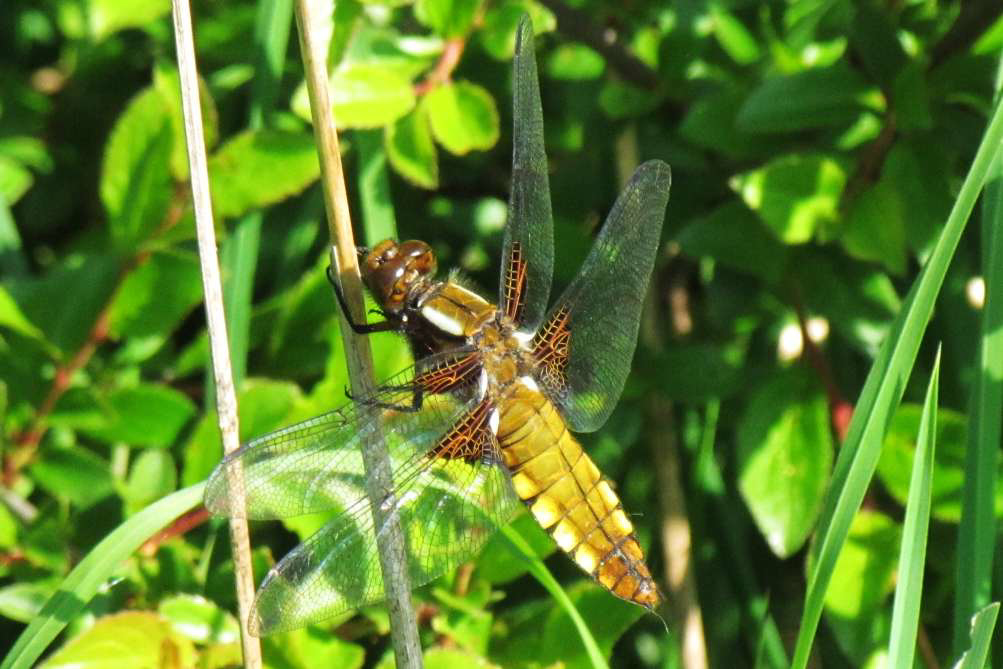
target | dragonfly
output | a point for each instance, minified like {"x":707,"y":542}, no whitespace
{"x":482,"y":424}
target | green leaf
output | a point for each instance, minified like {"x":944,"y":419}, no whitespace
{"x":784,"y":454}
{"x":912,"y":555}
{"x":733,"y":36}
{"x":861,"y":582}
{"x":157,"y":295}
{"x":23,"y":601}
{"x":310,"y":647}
{"x":407,"y":55}
{"x":796,"y":195}
{"x":93,"y":571}
{"x":448,"y":18}
{"x":12,"y":317}
{"x":734,"y":237}
{"x":501,"y":22}
{"x":124,"y":641}
{"x":898,"y":455}
{"x":199,"y":619}
{"x":463,"y":117}
{"x":146,"y":415}
{"x":575,"y":62}
{"x":74,"y":474}
{"x":151,"y":477}
{"x":411,"y":150}
{"x":865,"y":572}
{"x":81,"y":286}
{"x":15,"y":179}
{"x":363,"y":96}
{"x":135,"y":176}
{"x":875,"y":229}
{"x":167,"y":83}
{"x":451,"y":658}
{"x":815,"y":98}
{"x":260,"y":167}
{"x":620,"y":100}
{"x":710,"y":123}
{"x":106,"y":17}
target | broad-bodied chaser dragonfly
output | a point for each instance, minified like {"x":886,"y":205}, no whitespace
{"x":483,"y":418}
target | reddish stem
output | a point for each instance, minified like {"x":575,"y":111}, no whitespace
{"x":444,"y":67}
{"x":187,"y":522}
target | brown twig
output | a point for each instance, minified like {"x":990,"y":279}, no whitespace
{"x":840,"y":410}
{"x":182,"y":525}
{"x":443,"y":69}
{"x":973,"y":20}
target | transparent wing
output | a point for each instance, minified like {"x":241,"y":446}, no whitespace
{"x":601,"y":309}
{"x":446,"y":508}
{"x":528,"y":250}
{"x":317,"y":465}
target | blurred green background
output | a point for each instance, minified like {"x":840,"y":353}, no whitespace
{"x":817,"y":147}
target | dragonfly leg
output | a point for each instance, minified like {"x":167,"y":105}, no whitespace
{"x":417,"y":399}
{"x":359,"y":328}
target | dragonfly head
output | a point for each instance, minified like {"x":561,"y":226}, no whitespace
{"x":392,"y":269}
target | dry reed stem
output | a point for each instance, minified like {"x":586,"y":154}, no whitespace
{"x":226,"y":401}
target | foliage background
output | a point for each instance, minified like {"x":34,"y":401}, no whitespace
{"x":816,"y":145}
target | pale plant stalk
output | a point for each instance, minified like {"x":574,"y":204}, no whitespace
{"x":226,"y":401}
{"x":390,"y":540}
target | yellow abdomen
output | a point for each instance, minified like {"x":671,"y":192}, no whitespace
{"x":569,"y":497}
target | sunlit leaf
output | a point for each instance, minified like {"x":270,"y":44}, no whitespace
{"x":411,"y":150}
{"x":785,"y":452}
{"x":135,"y":175}
{"x":363,"y":96}
{"x":463,"y":117}
{"x":797,"y":196}
{"x":258,"y":168}
{"x":133,"y":640}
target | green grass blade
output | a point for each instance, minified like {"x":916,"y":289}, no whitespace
{"x":977,"y":530}
{"x":982,"y":626}
{"x":912,"y":555}
{"x":101,"y":563}
{"x":547,"y":580}
{"x":882,"y":391}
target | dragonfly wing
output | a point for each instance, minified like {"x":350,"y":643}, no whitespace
{"x":317,"y":465}
{"x":588,"y":339}
{"x":446,"y":510}
{"x":528,"y":249}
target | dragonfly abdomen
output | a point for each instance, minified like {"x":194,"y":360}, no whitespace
{"x":570,"y":498}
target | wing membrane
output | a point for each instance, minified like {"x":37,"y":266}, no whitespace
{"x":446,"y":508}
{"x":529,"y":234}
{"x":603,"y":304}
{"x":317,"y":465}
